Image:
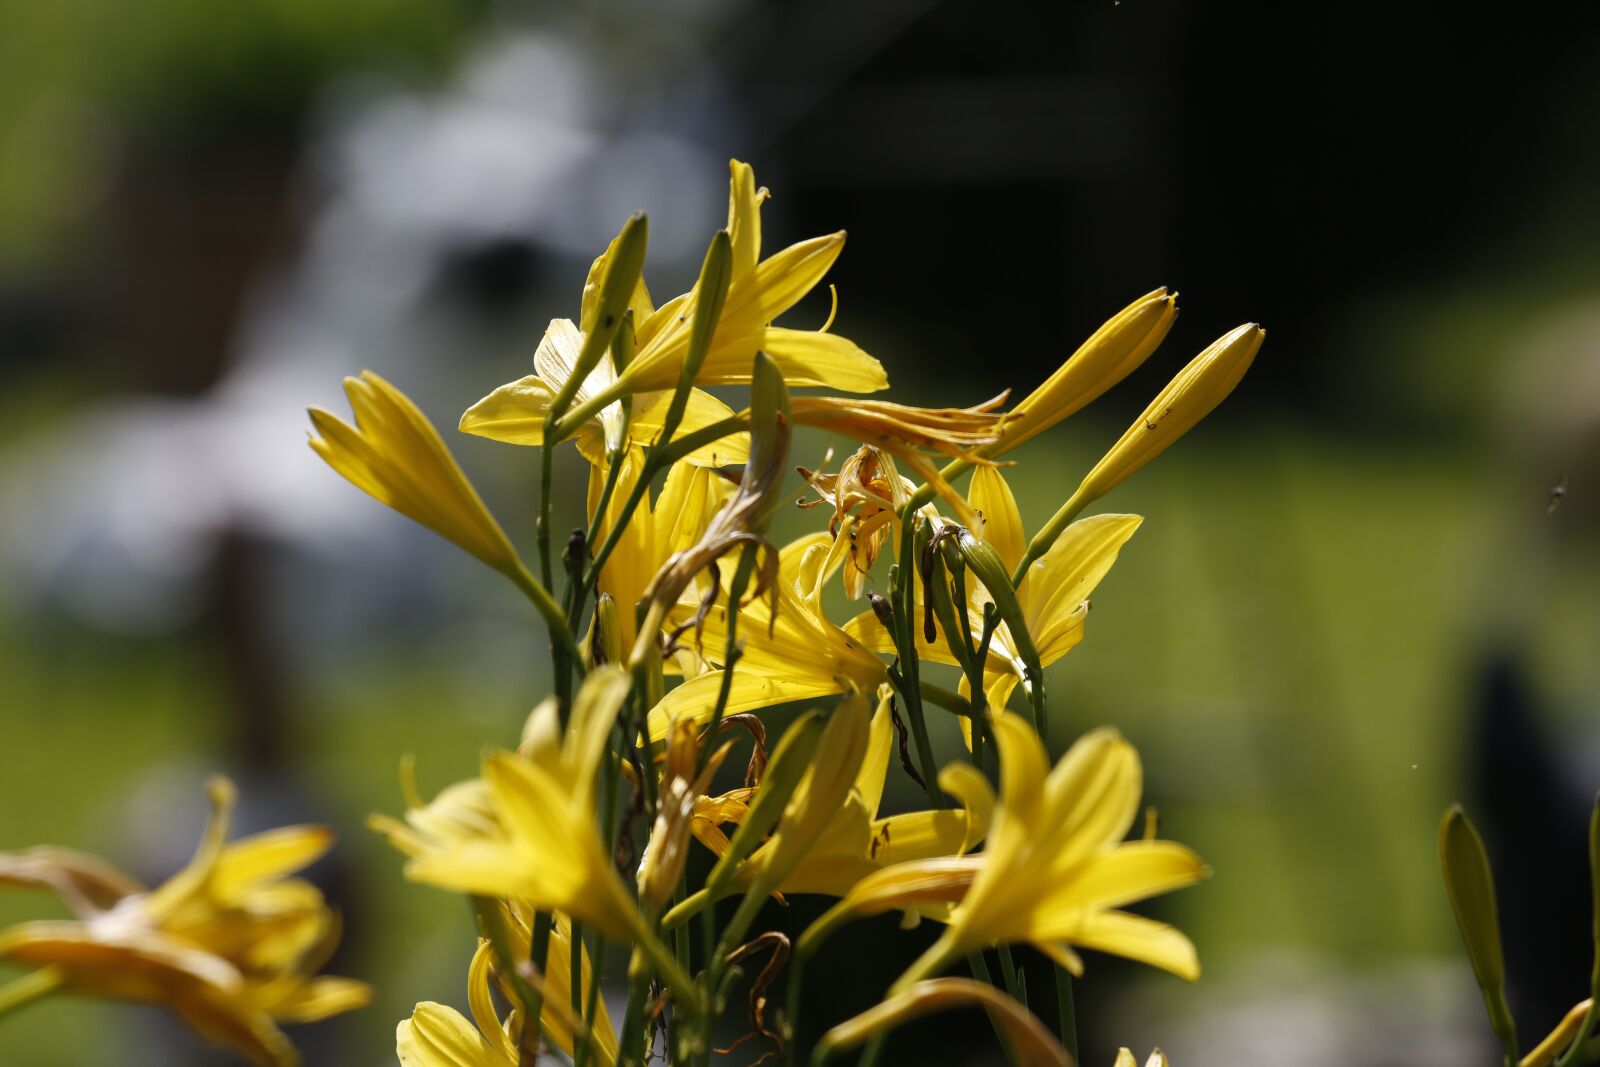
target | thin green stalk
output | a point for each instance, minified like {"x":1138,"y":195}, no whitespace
{"x":791,"y":1011}
{"x":1068,"y":1019}
{"x":29,"y":988}
{"x":905,"y":620}
{"x":1046,"y":537}
{"x":948,"y":699}
{"x":657,"y":460}
{"x":575,"y":967}
{"x":1008,"y":970}
{"x":731,"y":651}
{"x":538,"y":956}
{"x":980,"y":971}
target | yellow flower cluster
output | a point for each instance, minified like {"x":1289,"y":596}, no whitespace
{"x":677,"y":625}
{"x":228,"y":943}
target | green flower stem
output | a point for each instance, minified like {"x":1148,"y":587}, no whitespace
{"x":630,"y":1052}
{"x":545,"y":604}
{"x":791,"y":1011}
{"x":731,"y":651}
{"x":1068,"y":1021}
{"x":658,"y":459}
{"x":906,"y":675}
{"x":29,"y":988}
{"x":948,"y":699}
{"x":1045,"y":538}
{"x":539,"y":958}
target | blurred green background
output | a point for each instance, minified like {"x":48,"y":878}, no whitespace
{"x":1358,"y":594}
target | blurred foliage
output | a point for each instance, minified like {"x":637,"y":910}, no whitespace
{"x":74,"y":71}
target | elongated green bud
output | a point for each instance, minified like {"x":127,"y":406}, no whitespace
{"x":985,"y":563}
{"x":1470,"y":885}
{"x":623,"y":267}
{"x":710,"y":293}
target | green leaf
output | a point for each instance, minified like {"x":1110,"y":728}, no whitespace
{"x":1470,"y":885}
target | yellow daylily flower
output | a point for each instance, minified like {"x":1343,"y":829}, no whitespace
{"x":796,"y":654}
{"x":515,"y":412}
{"x":1056,"y":869}
{"x":394,"y":455}
{"x":543,"y":844}
{"x":229,"y":944}
{"x":439,"y":1036}
{"x":674,"y":523}
{"x":759,"y":291}
{"x":1054,"y":596}
{"x":854,"y":842}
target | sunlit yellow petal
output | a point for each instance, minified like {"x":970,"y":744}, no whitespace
{"x":514,"y":413}
{"x":991,"y":498}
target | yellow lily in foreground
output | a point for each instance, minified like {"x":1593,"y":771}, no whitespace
{"x":228,"y":943}
{"x":528,"y":830}
{"x":797,"y":654}
{"x":1055,"y":869}
{"x":439,"y":1036}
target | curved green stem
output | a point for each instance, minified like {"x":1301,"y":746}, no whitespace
{"x":29,"y":988}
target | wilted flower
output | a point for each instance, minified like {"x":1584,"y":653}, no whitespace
{"x":680,"y":794}
{"x":867,"y":495}
{"x":656,"y":531}
{"x":228,"y":943}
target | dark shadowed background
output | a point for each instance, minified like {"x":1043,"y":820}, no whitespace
{"x":1364,"y":589}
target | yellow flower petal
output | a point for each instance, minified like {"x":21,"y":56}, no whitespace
{"x":807,"y":357}
{"x":991,"y":498}
{"x":514,"y":413}
{"x":1137,"y":938}
{"x":437,"y":1036}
